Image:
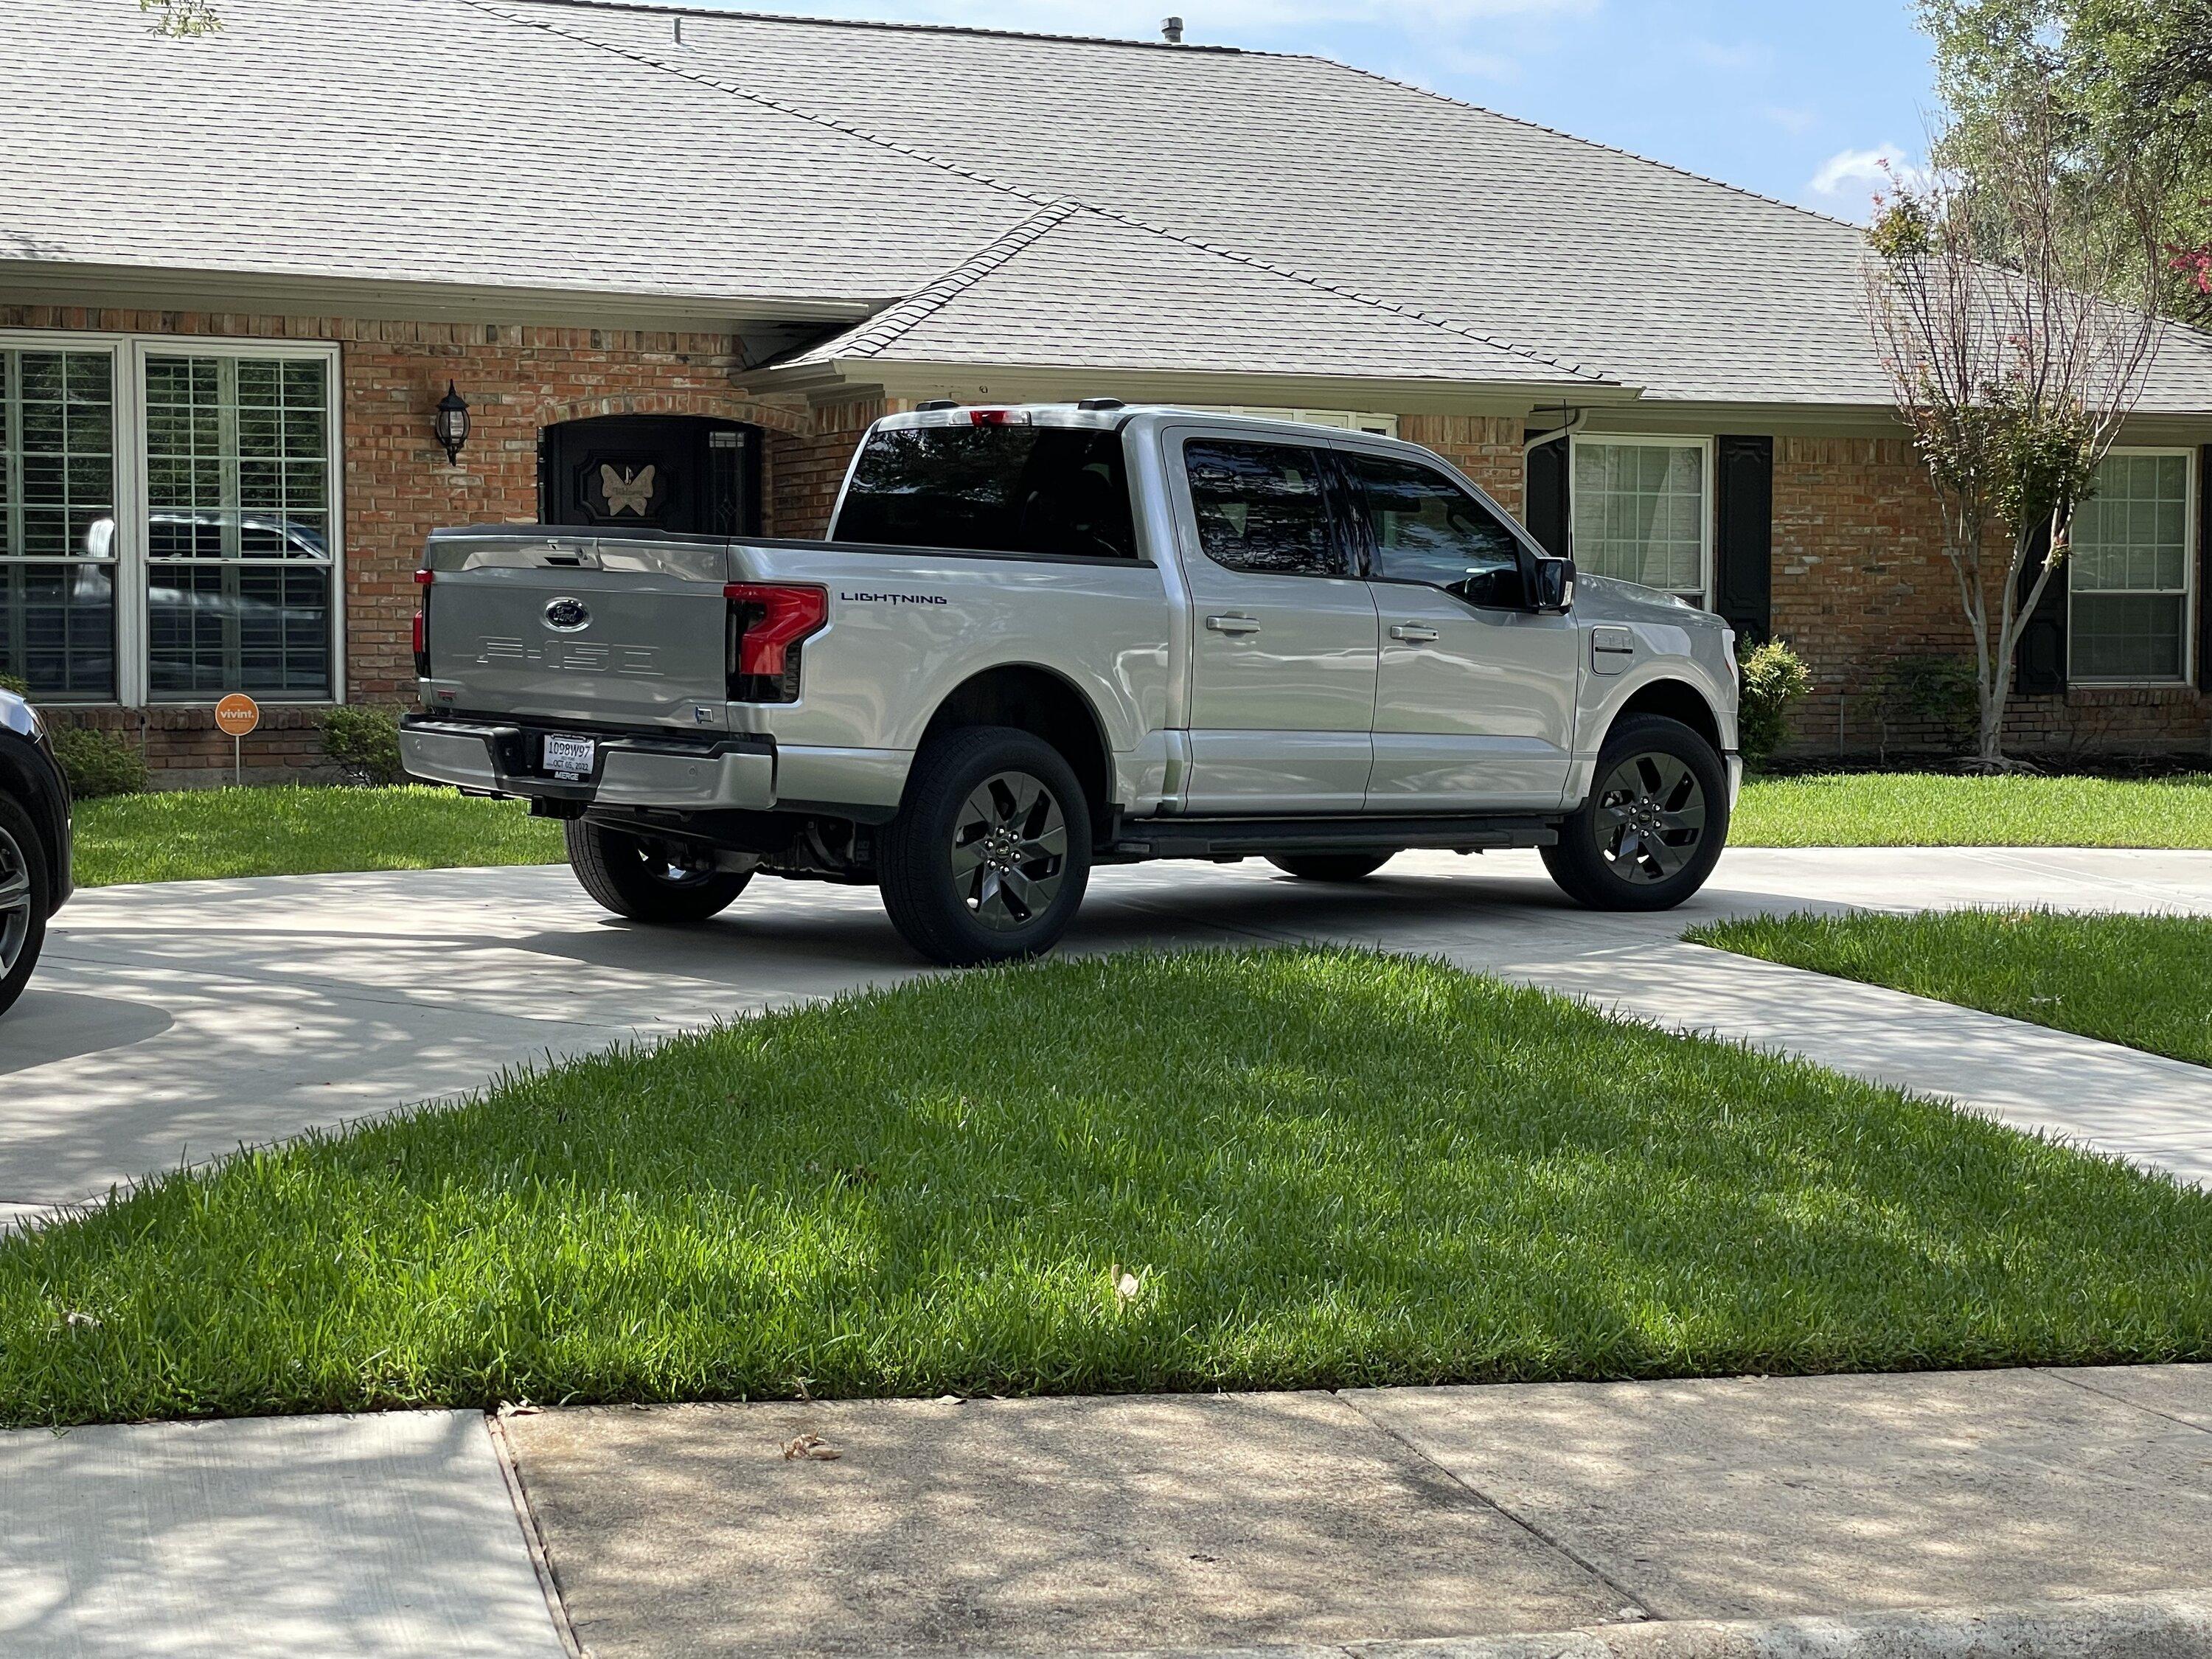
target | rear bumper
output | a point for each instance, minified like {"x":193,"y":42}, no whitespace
{"x":727,"y":773}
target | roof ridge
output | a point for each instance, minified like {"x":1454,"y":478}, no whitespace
{"x":672,"y":8}
{"x":1025,"y":192}
{"x":1556,"y":132}
{"x":897,"y":320}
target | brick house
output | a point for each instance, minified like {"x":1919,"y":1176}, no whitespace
{"x":674,"y":261}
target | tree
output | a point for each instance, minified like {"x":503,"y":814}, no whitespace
{"x":2123,"y":77}
{"x":2013,"y":304}
{"x":181,"y":20}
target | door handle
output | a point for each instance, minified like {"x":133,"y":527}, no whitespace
{"x":1233,"y":624}
{"x":1412,"y":633}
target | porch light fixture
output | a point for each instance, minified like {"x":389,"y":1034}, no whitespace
{"x":452,"y":425}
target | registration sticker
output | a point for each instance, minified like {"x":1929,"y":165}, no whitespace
{"x":569,"y":757}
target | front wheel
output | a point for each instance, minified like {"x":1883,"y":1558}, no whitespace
{"x":637,"y":878}
{"x":25,"y":892}
{"x":1653,"y":827}
{"x":990,"y":852}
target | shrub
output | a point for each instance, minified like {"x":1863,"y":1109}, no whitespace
{"x":99,"y":762}
{"x":1938,"y":692}
{"x":1774,"y":678}
{"x":9,"y":683}
{"x":364,"y":744}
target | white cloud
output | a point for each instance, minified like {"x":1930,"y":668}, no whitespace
{"x":1862,"y":171}
{"x":1796,"y":122}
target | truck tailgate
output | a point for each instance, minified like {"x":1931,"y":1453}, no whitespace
{"x":620,"y":631}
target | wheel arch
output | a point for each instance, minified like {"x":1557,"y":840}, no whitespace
{"x":23,"y":777}
{"x":1046,"y":704}
{"x":1675,"y":700}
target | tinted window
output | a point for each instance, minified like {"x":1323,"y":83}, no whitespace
{"x":993,"y":489}
{"x":1262,"y":508}
{"x":1427,"y":529}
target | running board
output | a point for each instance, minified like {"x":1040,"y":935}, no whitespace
{"x":1235,"y":838}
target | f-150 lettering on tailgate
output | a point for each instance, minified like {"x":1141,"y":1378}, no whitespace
{"x":636,"y":661}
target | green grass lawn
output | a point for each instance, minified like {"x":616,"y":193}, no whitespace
{"x":1233,"y":1169}
{"x":197,"y":834}
{"x":1912,"y":809}
{"x":2136,"y":980}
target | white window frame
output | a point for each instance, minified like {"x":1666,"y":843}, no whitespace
{"x":2190,"y":598}
{"x":133,"y":666}
{"x":1704,"y":446}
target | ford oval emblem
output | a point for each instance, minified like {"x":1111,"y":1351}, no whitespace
{"x":566,"y":616}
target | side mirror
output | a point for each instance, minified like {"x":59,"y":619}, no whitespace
{"x":1553,"y":588}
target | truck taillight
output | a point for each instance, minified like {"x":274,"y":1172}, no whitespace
{"x":767,"y":620}
{"x":422,"y":579}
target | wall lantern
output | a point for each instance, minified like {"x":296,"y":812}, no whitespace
{"x":452,"y":425}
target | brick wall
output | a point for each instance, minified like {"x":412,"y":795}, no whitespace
{"x":399,"y":487}
{"x":809,"y":468}
{"x":1860,"y":579}
{"x":1487,"y":448}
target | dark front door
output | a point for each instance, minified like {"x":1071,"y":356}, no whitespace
{"x":679,"y":472}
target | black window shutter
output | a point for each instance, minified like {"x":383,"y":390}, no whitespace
{"x":2204,"y":568}
{"x":1545,"y":512}
{"x":1743,"y":539}
{"x":2039,"y":663}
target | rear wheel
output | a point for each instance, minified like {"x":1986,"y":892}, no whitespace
{"x":639,"y":878}
{"x":990,"y":853}
{"x":1653,"y":827}
{"x":26,"y":889}
{"x":1331,"y":866}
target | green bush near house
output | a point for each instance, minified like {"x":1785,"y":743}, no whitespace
{"x":1774,"y":678}
{"x":9,"y":683}
{"x":99,"y":762}
{"x":1932,"y":694}
{"x":364,"y":743}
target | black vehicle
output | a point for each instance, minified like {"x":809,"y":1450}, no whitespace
{"x":35,"y":841}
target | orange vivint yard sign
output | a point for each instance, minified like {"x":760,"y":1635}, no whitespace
{"x":237,"y":715}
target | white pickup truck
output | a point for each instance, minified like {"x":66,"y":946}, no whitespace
{"x":1045,"y":638}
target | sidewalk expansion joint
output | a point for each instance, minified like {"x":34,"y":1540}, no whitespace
{"x":534,"y":1538}
{"x":1558,"y":1545}
{"x":2122,"y":1400}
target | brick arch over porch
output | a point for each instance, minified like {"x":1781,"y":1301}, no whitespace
{"x":773,"y":417}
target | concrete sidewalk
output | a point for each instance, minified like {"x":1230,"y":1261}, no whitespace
{"x":2056,"y":1513}
{"x":170,"y":1023}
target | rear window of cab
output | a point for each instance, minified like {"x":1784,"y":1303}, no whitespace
{"x":991,"y":489}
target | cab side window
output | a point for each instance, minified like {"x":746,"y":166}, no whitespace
{"x":1263,"y":507}
{"x":1426,"y":529}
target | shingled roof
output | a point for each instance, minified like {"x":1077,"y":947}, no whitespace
{"x":981,"y":197}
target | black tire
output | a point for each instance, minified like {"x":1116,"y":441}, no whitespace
{"x":1331,"y":866}
{"x":1654,"y":823}
{"x":26,"y":894}
{"x":1009,"y":809}
{"x":632,"y":876}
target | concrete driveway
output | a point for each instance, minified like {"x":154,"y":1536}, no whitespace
{"x":170,"y":1023}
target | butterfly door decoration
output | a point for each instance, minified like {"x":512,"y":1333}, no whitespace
{"x":627,"y":492}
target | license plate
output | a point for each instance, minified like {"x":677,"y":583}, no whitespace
{"x":569,"y":757}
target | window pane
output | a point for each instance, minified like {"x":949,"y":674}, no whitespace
{"x":215,"y":627}
{"x":1262,"y":508}
{"x":1639,"y":514}
{"x":57,"y":508}
{"x":237,"y":532}
{"x":57,"y":628}
{"x":1427,"y":529}
{"x":2132,"y":636}
{"x":2129,"y":573}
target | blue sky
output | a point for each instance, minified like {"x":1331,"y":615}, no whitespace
{"x":1793,"y":99}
